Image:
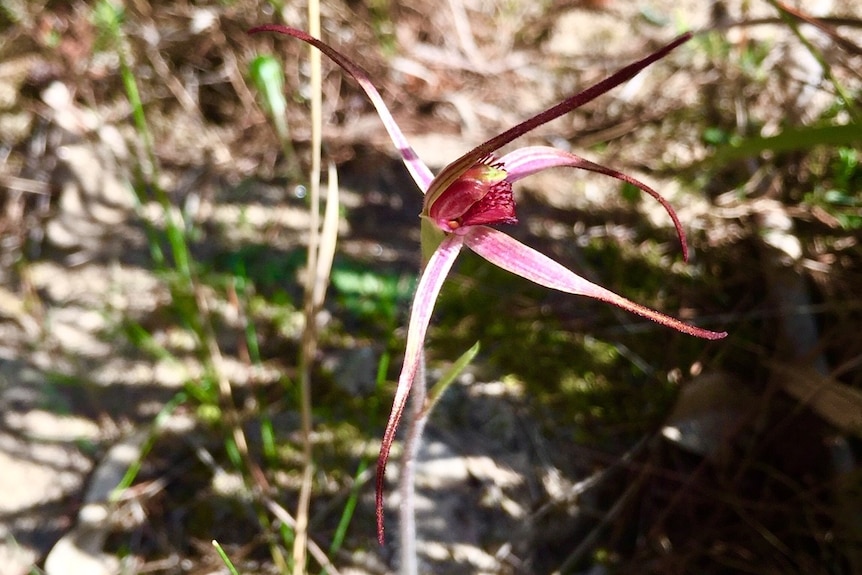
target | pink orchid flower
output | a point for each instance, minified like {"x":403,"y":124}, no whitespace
{"x":474,"y":192}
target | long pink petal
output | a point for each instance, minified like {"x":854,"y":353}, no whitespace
{"x":432,"y":279}
{"x":454,"y":170}
{"x":527,"y":161}
{"x":421,"y":173}
{"x":511,"y":255}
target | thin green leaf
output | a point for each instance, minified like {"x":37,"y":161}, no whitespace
{"x":268,"y":78}
{"x":225,"y":559}
{"x":347,"y":513}
{"x":793,"y":138}
{"x":448,"y":378}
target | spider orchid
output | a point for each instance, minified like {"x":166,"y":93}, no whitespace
{"x":474,"y":192}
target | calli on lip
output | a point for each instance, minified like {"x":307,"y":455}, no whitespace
{"x":475,"y":191}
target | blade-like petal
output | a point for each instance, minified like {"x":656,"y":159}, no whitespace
{"x":421,"y":173}
{"x":453,"y":171}
{"x":511,"y":255}
{"x":527,"y":161}
{"x":432,"y":279}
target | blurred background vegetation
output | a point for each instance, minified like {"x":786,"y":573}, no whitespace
{"x":153,"y":245}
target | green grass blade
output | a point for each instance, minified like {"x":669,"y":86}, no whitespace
{"x":793,"y":138}
{"x":135,"y":467}
{"x":268,"y":78}
{"x":349,"y":509}
{"x":225,"y":559}
{"x":449,"y":377}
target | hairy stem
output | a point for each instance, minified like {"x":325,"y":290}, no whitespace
{"x":407,"y":482}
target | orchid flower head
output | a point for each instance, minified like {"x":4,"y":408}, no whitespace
{"x":481,"y":195}
{"x":474,"y":192}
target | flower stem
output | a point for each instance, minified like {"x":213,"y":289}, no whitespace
{"x":407,"y":482}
